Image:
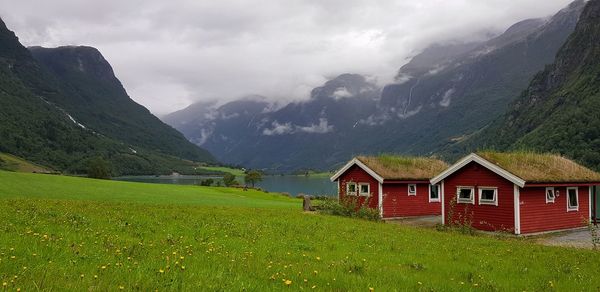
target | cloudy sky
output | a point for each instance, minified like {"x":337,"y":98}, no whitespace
{"x":169,"y":54}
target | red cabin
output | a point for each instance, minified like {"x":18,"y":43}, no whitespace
{"x":517,"y":192}
{"x":396,"y":186}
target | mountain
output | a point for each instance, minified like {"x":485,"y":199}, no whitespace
{"x":560,"y":110}
{"x":442,"y":96}
{"x":254,"y":133}
{"x":96,"y":98}
{"x":61,"y":107}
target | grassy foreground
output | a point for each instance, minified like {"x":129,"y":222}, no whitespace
{"x":61,"y":233}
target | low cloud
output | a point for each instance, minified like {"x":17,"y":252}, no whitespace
{"x":341,"y":92}
{"x":321,"y":128}
{"x":278,"y":129}
{"x":169,"y":54}
{"x":287,"y":128}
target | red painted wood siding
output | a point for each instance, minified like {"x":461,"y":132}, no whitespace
{"x":397,"y":202}
{"x":485,"y":217}
{"x":358,"y":175}
{"x":538,"y":216}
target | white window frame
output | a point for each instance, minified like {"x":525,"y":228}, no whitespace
{"x":348,"y":192}
{"x":438,"y":193}
{"x":413,"y":193}
{"x":493,"y":202}
{"x":360,"y":192}
{"x":569,"y":207}
{"x":463,"y":201}
{"x":548,"y":201}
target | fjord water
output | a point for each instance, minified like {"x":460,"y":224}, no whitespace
{"x":292,"y":184}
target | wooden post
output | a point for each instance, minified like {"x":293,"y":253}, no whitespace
{"x":306,"y":205}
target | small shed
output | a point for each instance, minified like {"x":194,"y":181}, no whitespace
{"x":397,"y":186}
{"x":519,"y":192}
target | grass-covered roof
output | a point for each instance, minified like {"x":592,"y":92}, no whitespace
{"x":541,"y":167}
{"x":392,"y":167}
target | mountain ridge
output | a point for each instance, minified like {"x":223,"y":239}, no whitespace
{"x":38,"y":124}
{"x":430,"y":106}
{"x":558,"y":112}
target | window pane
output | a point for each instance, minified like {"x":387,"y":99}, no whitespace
{"x":487,"y":195}
{"x":364,"y":188}
{"x":434,"y":192}
{"x":352,"y":188}
{"x":550,"y":195}
{"x":411,"y":188}
{"x":465,"y":194}
{"x":573,"y":198}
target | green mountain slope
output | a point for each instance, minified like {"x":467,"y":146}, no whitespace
{"x":35,"y":122}
{"x":560,"y":110}
{"x":96,"y":99}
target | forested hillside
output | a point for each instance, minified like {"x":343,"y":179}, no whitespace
{"x":560,"y":110}
{"x":40,"y":121}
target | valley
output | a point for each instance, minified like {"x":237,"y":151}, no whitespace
{"x":77,"y":233}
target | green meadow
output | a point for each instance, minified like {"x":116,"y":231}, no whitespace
{"x":72,"y":234}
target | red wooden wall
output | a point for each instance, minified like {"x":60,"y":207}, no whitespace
{"x":397,"y":202}
{"x":484,"y":217}
{"x":538,"y":216}
{"x":357,"y":175}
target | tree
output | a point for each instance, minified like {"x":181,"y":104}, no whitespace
{"x":98,"y":168}
{"x":228,"y":179}
{"x":252,"y":177}
{"x":207,"y":182}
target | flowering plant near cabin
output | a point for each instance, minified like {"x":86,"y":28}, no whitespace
{"x":461,"y":221}
{"x":350,"y":206}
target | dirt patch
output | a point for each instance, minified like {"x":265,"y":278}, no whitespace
{"x":579,"y":238}
{"x":427,"y":221}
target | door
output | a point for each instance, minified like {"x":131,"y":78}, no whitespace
{"x":596,"y":204}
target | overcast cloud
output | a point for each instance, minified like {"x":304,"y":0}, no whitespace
{"x":169,"y":54}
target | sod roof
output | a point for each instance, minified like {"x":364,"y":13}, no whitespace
{"x":541,"y":168}
{"x":392,"y":167}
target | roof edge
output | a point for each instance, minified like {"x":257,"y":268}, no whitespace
{"x":356,"y":161}
{"x":483,"y":162}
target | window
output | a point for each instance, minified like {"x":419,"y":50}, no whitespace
{"x":434,"y":193}
{"x":351,"y":189}
{"x":364,"y":189}
{"x":572,"y":199}
{"x":550,"y":195}
{"x":412,"y":190}
{"x":488,"y":196}
{"x":465,"y":195}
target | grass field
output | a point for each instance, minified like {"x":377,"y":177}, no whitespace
{"x":235,"y":171}
{"x":62,"y":233}
{"x":13,"y":163}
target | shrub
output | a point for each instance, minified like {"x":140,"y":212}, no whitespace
{"x":207,"y":182}
{"x":229,"y":179}
{"x":462,"y":222}
{"x":349,"y":207}
{"x":98,"y":168}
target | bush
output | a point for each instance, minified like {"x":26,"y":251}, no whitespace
{"x":98,"y":168}
{"x":207,"y":182}
{"x":229,"y":179}
{"x":462,"y":222}
{"x":349,"y":207}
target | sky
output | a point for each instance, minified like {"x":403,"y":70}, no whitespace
{"x":169,"y":54}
